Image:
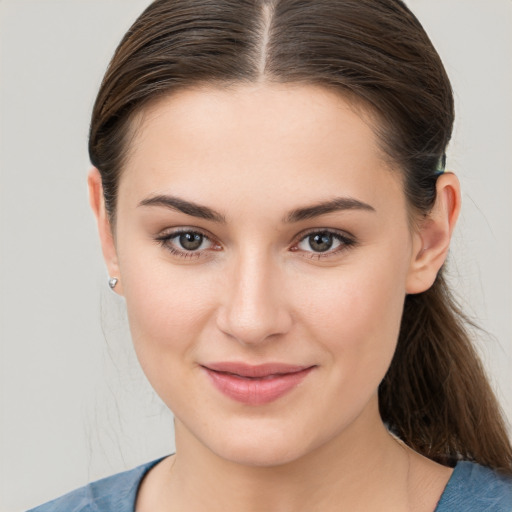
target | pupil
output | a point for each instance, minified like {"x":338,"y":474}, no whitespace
{"x":191,"y":241}
{"x":321,"y":242}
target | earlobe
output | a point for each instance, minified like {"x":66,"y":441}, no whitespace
{"x":97,"y":202}
{"x":432,"y":240}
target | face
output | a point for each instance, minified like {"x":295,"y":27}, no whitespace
{"x":264,"y":251}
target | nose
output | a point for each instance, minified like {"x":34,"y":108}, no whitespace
{"x":254,"y":307}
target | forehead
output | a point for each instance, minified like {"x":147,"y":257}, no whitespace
{"x":292,"y":112}
{"x":301,"y":140}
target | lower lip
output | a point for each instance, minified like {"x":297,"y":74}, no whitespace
{"x":257,"y":391}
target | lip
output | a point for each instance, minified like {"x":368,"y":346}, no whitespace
{"x":255,"y":385}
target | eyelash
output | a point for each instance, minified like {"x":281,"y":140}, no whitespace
{"x":346,"y":242}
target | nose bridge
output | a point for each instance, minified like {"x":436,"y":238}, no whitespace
{"x":255,"y":307}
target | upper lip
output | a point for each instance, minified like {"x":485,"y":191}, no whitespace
{"x":255,"y":371}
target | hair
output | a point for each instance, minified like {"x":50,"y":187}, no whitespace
{"x":435,"y":396}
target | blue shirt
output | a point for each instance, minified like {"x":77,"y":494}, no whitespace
{"x":471,"y":488}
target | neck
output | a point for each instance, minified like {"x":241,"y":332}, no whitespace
{"x":363,"y":468}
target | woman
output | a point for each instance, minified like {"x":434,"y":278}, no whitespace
{"x":271,"y":200}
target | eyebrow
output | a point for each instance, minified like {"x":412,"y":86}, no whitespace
{"x":297,"y":215}
{"x":334,"y":205}
{"x":187,"y":207}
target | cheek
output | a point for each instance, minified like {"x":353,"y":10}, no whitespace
{"x":168,"y":307}
{"x":364,"y":298}
{"x":356,"y":317}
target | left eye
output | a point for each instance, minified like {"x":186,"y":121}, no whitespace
{"x":322,"y":242}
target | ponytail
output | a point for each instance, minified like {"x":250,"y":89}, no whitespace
{"x":435,"y":396}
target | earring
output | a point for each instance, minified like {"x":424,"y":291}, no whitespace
{"x":112,"y":282}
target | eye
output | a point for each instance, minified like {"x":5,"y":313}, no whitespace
{"x":324,"y":243}
{"x":190,"y":241}
{"x":186,"y":243}
{"x":318,"y":242}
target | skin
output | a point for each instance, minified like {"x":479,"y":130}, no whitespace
{"x":257,"y":291}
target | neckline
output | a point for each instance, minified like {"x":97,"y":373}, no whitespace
{"x":451,"y":485}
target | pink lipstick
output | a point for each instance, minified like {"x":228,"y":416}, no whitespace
{"x":255,"y":385}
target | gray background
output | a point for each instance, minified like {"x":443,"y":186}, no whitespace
{"x":74,"y":405}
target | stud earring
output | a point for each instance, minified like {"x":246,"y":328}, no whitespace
{"x":112,"y":282}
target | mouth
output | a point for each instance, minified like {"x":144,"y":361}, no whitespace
{"x":255,"y":385}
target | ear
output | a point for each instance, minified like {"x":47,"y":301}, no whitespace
{"x":97,"y":202}
{"x":432,"y":239}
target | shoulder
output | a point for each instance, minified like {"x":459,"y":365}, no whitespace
{"x":114,"y":493}
{"x":475,"y":488}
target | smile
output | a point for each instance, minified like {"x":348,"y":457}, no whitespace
{"x":255,"y":385}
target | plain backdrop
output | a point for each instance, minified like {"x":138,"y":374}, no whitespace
{"x":74,"y":405}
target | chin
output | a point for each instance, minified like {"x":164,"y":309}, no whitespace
{"x":262,"y":445}
{"x":261,"y":455}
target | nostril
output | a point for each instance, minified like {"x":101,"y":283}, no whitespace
{"x":254,"y":326}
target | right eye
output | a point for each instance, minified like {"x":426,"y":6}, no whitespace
{"x":186,"y":243}
{"x":190,"y":241}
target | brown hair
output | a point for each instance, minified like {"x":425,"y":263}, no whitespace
{"x":435,"y":395}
